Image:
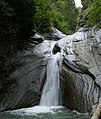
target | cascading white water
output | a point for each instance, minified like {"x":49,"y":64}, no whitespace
{"x":51,"y":90}
{"x":50,"y":94}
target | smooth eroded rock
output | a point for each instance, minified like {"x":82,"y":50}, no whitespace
{"x":79,"y":92}
{"x":22,"y":86}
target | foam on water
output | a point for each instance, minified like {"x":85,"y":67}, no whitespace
{"x":36,"y":110}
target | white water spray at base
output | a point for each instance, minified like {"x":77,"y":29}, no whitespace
{"x":51,"y":89}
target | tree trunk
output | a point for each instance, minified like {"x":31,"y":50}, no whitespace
{"x":97,"y":113}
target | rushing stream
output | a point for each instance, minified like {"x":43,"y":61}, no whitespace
{"x":39,"y":112}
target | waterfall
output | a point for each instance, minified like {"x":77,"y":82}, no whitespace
{"x":50,"y":94}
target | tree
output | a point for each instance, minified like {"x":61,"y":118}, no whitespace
{"x":64,"y":15}
{"x":92,"y":11}
{"x":42,"y":15}
{"x":16,"y":21}
{"x":97,"y":113}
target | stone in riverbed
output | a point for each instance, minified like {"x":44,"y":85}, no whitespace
{"x":56,"y":49}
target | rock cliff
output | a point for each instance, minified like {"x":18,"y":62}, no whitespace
{"x":80,"y":73}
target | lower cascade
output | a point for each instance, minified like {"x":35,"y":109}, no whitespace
{"x":50,"y":94}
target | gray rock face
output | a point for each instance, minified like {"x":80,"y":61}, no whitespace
{"x":56,"y":49}
{"x":22,"y":87}
{"x":80,"y":75}
{"x":79,"y":90}
{"x":56,"y":35}
{"x":36,"y":39}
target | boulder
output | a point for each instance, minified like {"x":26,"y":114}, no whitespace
{"x":81,"y":78}
{"x":36,"y":39}
{"x":21,"y":88}
{"x":56,"y":48}
{"x":56,"y":35}
{"x":79,"y":90}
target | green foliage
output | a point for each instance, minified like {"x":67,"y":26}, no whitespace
{"x":92,"y":13}
{"x":7,"y":28}
{"x":61,"y":14}
{"x":19,"y":17}
{"x":16,"y":22}
{"x":24,"y":11}
{"x":42,"y":15}
{"x":64,"y":14}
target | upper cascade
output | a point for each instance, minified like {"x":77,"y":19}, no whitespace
{"x":50,"y":94}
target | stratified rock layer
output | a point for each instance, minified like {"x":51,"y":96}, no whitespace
{"x":81,"y":77}
{"x":80,"y":74}
{"x":22,"y":87}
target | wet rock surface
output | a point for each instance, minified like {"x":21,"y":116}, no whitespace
{"x":36,"y":39}
{"x":22,"y":86}
{"x":56,"y":35}
{"x":79,"y":91}
{"x":81,"y":78}
{"x":80,"y":73}
{"x":56,"y":49}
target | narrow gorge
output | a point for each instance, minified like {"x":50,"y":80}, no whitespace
{"x":79,"y":73}
{"x":50,"y":59}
